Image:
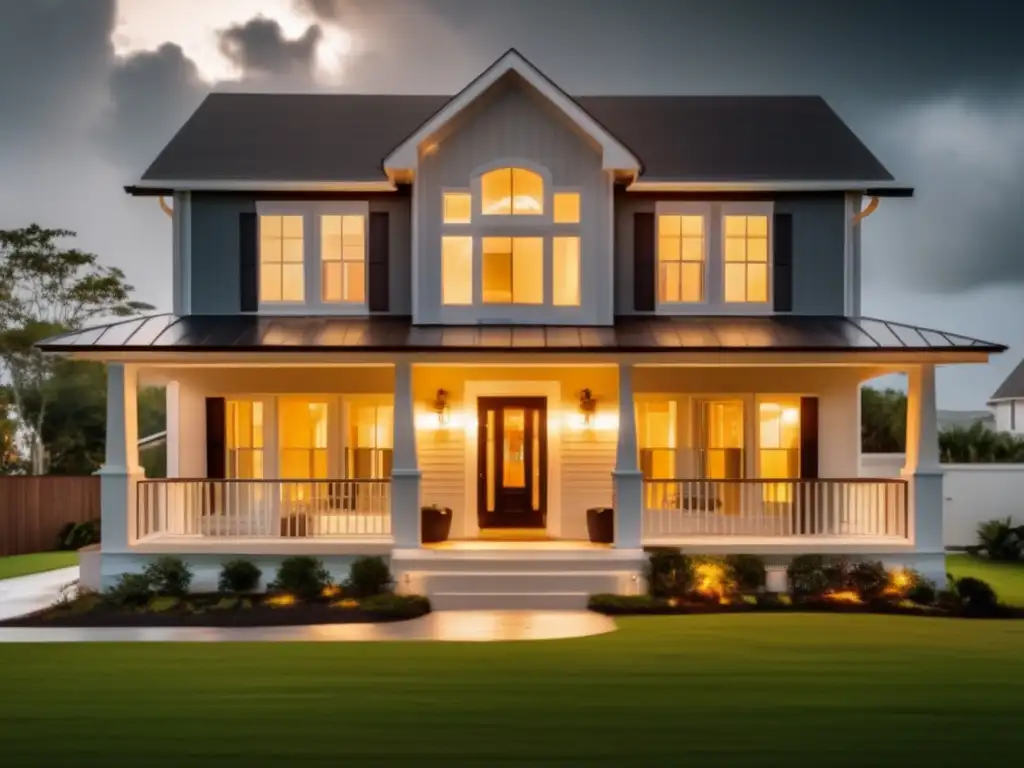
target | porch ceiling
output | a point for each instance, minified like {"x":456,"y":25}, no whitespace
{"x":711,"y":334}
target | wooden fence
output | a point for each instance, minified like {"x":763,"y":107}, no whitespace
{"x":34,"y":509}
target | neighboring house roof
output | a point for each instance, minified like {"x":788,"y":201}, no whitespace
{"x":278,"y":138}
{"x":240,"y":333}
{"x":1012,"y":386}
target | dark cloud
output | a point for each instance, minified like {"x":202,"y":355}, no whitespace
{"x":323,"y":9}
{"x":260,"y":49}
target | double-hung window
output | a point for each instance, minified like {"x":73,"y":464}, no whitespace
{"x":313,"y":256}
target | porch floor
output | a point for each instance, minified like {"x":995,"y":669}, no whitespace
{"x":269,"y":545}
{"x":782,"y":545}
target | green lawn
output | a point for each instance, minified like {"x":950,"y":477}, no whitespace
{"x":1007,"y":579}
{"x":22,"y":565}
{"x":761,"y":690}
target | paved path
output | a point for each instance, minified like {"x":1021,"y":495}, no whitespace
{"x":34,"y":592}
{"x":465,"y":626}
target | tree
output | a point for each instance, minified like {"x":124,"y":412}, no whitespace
{"x":883,"y":420}
{"x":46,"y":289}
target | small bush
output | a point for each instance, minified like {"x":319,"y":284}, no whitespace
{"x":626,"y":604}
{"x":238,"y":576}
{"x":975,"y":596}
{"x":391,"y":606}
{"x":869,"y":580}
{"x":713,"y":580}
{"x":368,"y":576}
{"x":73,"y":536}
{"x":302,"y":576}
{"x":130,"y":589}
{"x":772,"y":601}
{"x":1001,"y":540}
{"x":922,"y":592}
{"x":169,"y":576}
{"x":807,"y":576}
{"x":838,"y":575}
{"x":748,"y":570}
{"x":669,"y":574}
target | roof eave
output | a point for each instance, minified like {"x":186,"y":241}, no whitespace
{"x":871,"y":188}
{"x":157,"y":187}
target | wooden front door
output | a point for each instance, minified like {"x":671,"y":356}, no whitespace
{"x":512,"y":460}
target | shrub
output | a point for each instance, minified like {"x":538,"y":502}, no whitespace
{"x":748,"y":570}
{"x":922,"y":592}
{"x":1001,"y":540}
{"x":390,"y":606}
{"x":302,"y":576}
{"x":838,"y":575}
{"x":714,"y":580}
{"x":625,"y":604}
{"x":237,"y":576}
{"x":807,"y":576}
{"x":169,"y":576}
{"x":131,"y":589}
{"x":772,"y":601}
{"x":74,"y":536}
{"x":869,"y":580}
{"x":975,"y":596}
{"x":368,"y":576}
{"x":669,"y":573}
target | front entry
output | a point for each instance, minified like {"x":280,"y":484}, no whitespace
{"x":512,"y":462}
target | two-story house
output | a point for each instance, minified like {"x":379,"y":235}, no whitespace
{"x":518,"y":305}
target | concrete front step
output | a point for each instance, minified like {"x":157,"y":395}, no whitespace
{"x":524,"y":601}
{"x":525,"y":582}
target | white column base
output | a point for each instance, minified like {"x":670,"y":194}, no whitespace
{"x":629,"y":508}
{"x":405,"y":507}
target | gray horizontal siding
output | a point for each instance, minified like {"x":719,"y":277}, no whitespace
{"x":818,"y":245}
{"x":215,"y":270}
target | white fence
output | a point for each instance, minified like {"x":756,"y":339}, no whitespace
{"x":972,"y":493}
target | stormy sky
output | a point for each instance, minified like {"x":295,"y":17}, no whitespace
{"x":90,"y":90}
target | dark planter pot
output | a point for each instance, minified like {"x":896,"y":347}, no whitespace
{"x":601,"y":525}
{"x":435,"y":524}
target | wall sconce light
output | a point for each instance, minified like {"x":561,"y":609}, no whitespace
{"x":441,"y":407}
{"x":588,"y":406}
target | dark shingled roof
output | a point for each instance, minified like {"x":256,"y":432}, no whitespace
{"x":1012,"y":386}
{"x":240,"y":333}
{"x":345,"y":137}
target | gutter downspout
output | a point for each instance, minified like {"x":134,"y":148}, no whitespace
{"x":170,"y":211}
{"x":857,"y":217}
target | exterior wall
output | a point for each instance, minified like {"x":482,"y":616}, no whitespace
{"x":972,"y":493}
{"x":507,"y":125}
{"x":215,"y":272}
{"x":1009,"y":416}
{"x":819,"y":243}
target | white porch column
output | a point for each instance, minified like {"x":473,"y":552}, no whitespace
{"x":923,"y":472}
{"x":405,"y":472}
{"x":121,"y":471}
{"x":627,"y":478}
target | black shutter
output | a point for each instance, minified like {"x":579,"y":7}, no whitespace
{"x":643,"y":262}
{"x":808,"y":438}
{"x":216,"y":442}
{"x":248,"y":259}
{"x":782,"y":252}
{"x":378,"y":262}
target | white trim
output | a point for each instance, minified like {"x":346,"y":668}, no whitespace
{"x":311,"y":212}
{"x":762,"y":186}
{"x":684,"y":208}
{"x":247,"y":185}
{"x":614,"y":154}
{"x":850,"y":209}
{"x":181,"y":250}
{"x":552,"y":390}
{"x":764,"y":208}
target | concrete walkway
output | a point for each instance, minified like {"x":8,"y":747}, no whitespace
{"x":449,"y":626}
{"x":34,"y":592}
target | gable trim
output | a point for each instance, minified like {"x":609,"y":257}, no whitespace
{"x":615,"y":155}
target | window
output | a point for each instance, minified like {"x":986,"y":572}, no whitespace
{"x":746,"y":259}
{"x":343,"y":259}
{"x":281,"y":259}
{"x":680,"y":258}
{"x":722,"y":439}
{"x":567,"y":208}
{"x":458,"y":207}
{"x":565,"y":273}
{"x":456,"y":270}
{"x":513,"y":270}
{"x":778,"y":426}
{"x":302,"y":439}
{"x":244,"y":439}
{"x":369,"y":445}
{"x":656,"y":435}
{"x":511,"y":191}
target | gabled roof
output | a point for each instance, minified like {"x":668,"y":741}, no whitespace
{"x":248,"y":333}
{"x":346,"y":141}
{"x":1012,"y":387}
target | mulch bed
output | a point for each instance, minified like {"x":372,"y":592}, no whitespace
{"x":197,"y":611}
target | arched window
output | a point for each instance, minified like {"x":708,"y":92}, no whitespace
{"x":511,"y":192}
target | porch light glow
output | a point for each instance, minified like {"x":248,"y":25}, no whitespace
{"x":441,"y":407}
{"x":711,"y":581}
{"x":599,"y":421}
{"x":790,"y":416}
{"x":588,"y":406}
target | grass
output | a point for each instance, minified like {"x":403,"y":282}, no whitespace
{"x":1007,"y":579}
{"x":22,"y":565}
{"x":764,"y":690}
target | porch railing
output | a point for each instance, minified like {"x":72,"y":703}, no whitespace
{"x":264,"y":508}
{"x":853,"y":507}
